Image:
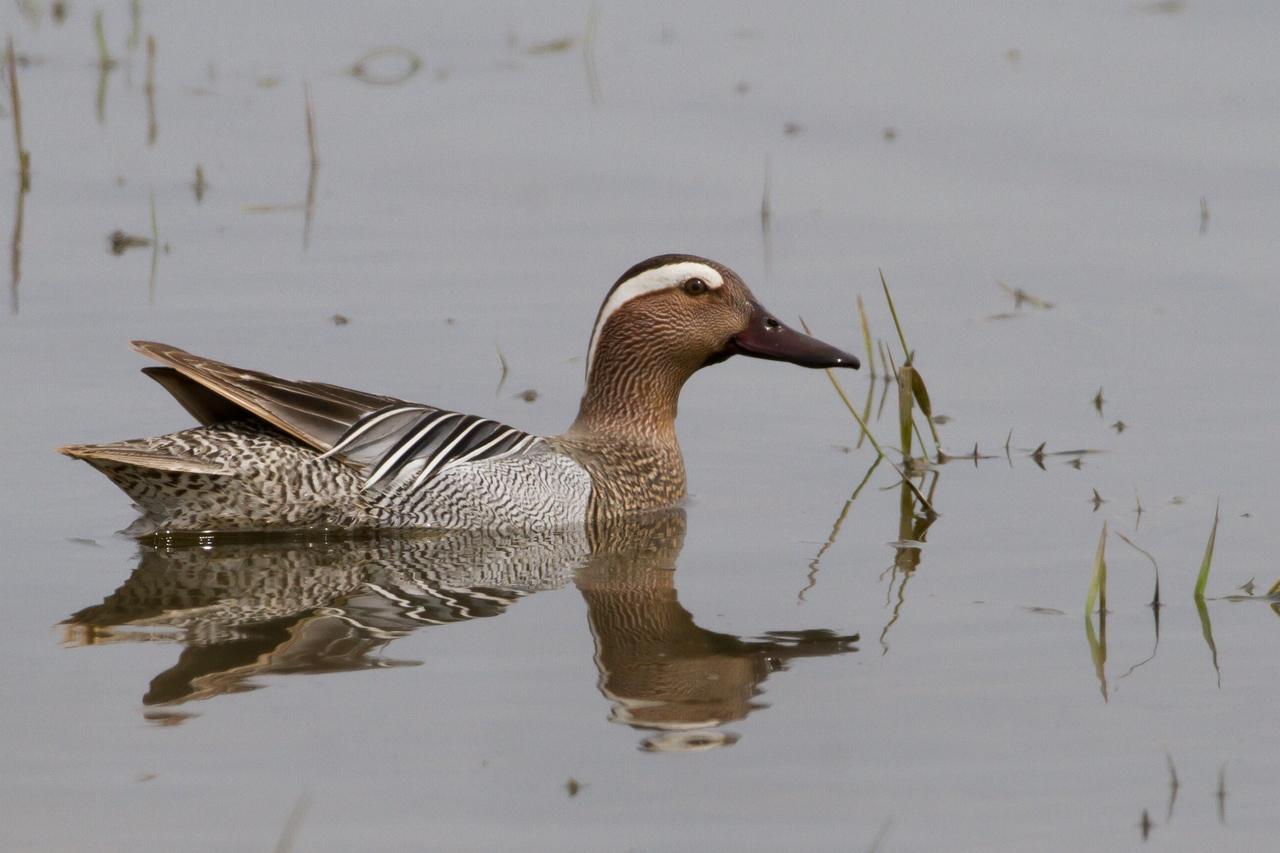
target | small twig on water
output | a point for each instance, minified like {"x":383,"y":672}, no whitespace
{"x":149,"y":88}
{"x":313,"y":170}
{"x":15,"y":101}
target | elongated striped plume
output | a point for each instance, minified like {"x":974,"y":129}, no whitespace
{"x":400,"y":443}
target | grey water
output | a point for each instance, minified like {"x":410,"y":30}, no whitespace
{"x":773,"y":666}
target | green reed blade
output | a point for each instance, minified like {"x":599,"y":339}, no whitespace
{"x":894,"y":311}
{"x":1098,"y":583}
{"x":835,"y":383}
{"x":866,"y":337}
{"x":1203,"y":578}
{"x":922,"y":398}
{"x":905,"y":400}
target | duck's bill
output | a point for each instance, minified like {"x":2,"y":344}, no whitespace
{"x":768,"y":337}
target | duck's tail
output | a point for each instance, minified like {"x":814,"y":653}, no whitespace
{"x":162,"y":483}
{"x":235,"y":476}
{"x":134,"y":454}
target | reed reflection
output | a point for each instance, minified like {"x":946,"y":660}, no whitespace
{"x":244,"y":608}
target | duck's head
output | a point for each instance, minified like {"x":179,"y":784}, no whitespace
{"x":674,"y":314}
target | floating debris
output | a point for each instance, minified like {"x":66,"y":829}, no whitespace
{"x":792,"y":128}
{"x":1163,"y":7}
{"x":506,"y":369}
{"x":340,"y":319}
{"x":120,"y":242}
{"x":1221,"y":794}
{"x":199,"y":185}
{"x":573,"y":786}
{"x":559,"y":45}
{"x":528,"y":395}
{"x":386,"y":66}
{"x":1204,"y":216}
{"x":1021,"y":297}
{"x":889,"y":134}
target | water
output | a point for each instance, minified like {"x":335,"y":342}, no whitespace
{"x":486,"y":204}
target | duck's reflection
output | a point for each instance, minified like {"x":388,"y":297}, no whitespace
{"x":245,"y":608}
{"x":661,"y":671}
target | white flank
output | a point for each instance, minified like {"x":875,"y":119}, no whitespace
{"x":650,"y":281}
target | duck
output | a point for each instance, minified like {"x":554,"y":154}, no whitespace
{"x":278,"y":454}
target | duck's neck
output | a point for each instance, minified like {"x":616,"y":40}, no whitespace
{"x":625,"y":435}
{"x":637,"y":404}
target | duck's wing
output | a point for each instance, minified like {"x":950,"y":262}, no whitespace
{"x":391,"y":439}
{"x":313,"y":412}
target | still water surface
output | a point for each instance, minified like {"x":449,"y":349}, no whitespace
{"x":746,"y":673}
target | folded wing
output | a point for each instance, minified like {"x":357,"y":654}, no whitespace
{"x":393,"y":441}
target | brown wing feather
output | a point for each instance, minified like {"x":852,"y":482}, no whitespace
{"x":312,"y":412}
{"x":207,"y":407}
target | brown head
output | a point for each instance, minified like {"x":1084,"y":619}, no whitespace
{"x":664,"y":319}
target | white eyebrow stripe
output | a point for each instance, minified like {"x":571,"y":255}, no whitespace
{"x":649,"y":281}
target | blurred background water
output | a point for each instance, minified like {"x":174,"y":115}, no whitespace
{"x":1114,"y":159}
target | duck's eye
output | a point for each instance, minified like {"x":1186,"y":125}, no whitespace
{"x":695,"y":286}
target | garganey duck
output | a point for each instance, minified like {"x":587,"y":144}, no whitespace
{"x":278,"y":454}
